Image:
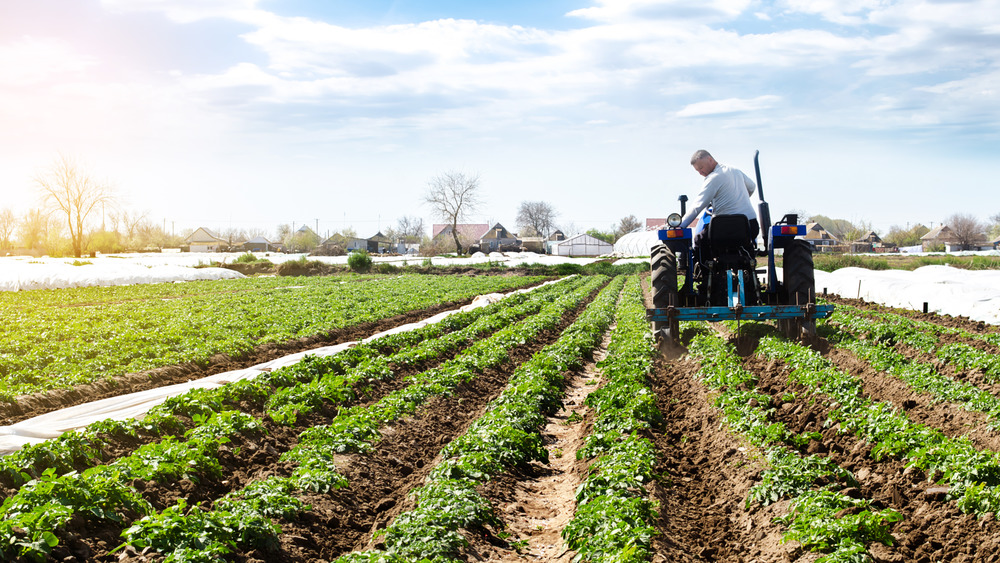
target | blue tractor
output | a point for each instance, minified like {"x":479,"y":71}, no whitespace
{"x":721,"y":278}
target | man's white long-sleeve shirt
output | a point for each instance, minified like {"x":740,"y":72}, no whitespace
{"x":728,"y":191}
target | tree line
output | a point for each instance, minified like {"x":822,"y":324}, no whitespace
{"x":71,"y":200}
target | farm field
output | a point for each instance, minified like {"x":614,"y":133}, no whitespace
{"x":544,"y":427}
{"x":57,"y":339}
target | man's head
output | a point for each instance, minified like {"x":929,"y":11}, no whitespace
{"x":703,"y":162}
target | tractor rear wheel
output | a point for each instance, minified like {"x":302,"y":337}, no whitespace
{"x":663,"y":270}
{"x":800,"y":288}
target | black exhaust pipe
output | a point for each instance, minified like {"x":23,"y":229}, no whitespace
{"x":763,"y":211}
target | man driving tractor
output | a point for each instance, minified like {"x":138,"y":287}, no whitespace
{"x":727,"y":190}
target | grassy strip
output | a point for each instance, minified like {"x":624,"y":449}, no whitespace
{"x":614,"y":519}
{"x":973,"y":475}
{"x":829,"y":262}
{"x":817,"y":518}
{"x":506,"y":436}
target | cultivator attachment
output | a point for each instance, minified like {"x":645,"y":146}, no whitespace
{"x":795,"y":321}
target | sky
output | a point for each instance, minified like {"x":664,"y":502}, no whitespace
{"x":334,"y":114}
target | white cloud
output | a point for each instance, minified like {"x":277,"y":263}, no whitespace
{"x":185,"y":11}
{"x":849,"y":12}
{"x":730,"y":105}
{"x":30,"y":61}
{"x":430,"y":91}
{"x":639,"y":10}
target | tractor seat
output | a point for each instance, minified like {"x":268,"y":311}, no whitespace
{"x":727,"y":234}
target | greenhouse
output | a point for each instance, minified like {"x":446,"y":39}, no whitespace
{"x":636,"y":243}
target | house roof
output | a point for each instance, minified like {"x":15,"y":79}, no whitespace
{"x":207,"y":235}
{"x":941,"y":232}
{"x":472,"y":231}
{"x":258,"y":240}
{"x":492,"y":232}
{"x":815,"y":231}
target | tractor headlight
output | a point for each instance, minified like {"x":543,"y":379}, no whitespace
{"x":674,"y":220}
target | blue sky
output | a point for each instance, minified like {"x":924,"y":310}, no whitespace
{"x":252,"y":113}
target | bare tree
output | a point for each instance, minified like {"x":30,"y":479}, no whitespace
{"x":538,"y":216}
{"x":127,"y":221}
{"x":284,"y":234}
{"x":967,"y":229}
{"x":627,"y":225}
{"x":255,"y":232}
{"x":410,"y":228}
{"x":995,"y":225}
{"x":452,"y":197}
{"x":854,"y":232}
{"x":33,"y":229}
{"x":67,"y":190}
{"x":7,"y":224}
{"x":905,"y":236}
{"x":234,"y":235}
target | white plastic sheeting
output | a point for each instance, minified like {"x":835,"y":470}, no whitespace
{"x":23,"y":273}
{"x":946,"y":290}
{"x":636,"y":243}
{"x":18,"y":274}
{"x":134,"y":405}
{"x":582,"y":245}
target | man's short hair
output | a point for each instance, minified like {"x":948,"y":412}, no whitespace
{"x":700,"y":154}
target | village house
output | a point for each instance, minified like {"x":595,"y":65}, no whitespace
{"x":820,"y":239}
{"x":940,"y":238}
{"x":468,"y":233}
{"x":498,"y":238}
{"x":205,"y":240}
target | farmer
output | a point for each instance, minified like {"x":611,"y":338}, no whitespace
{"x":727,"y":190}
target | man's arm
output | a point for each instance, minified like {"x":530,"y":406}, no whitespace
{"x":750,"y":184}
{"x":702,"y":201}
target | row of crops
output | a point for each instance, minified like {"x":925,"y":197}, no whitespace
{"x":190,"y":480}
{"x":60,"y":338}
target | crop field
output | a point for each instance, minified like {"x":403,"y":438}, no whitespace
{"x":56,"y":339}
{"x":543,"y":427}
